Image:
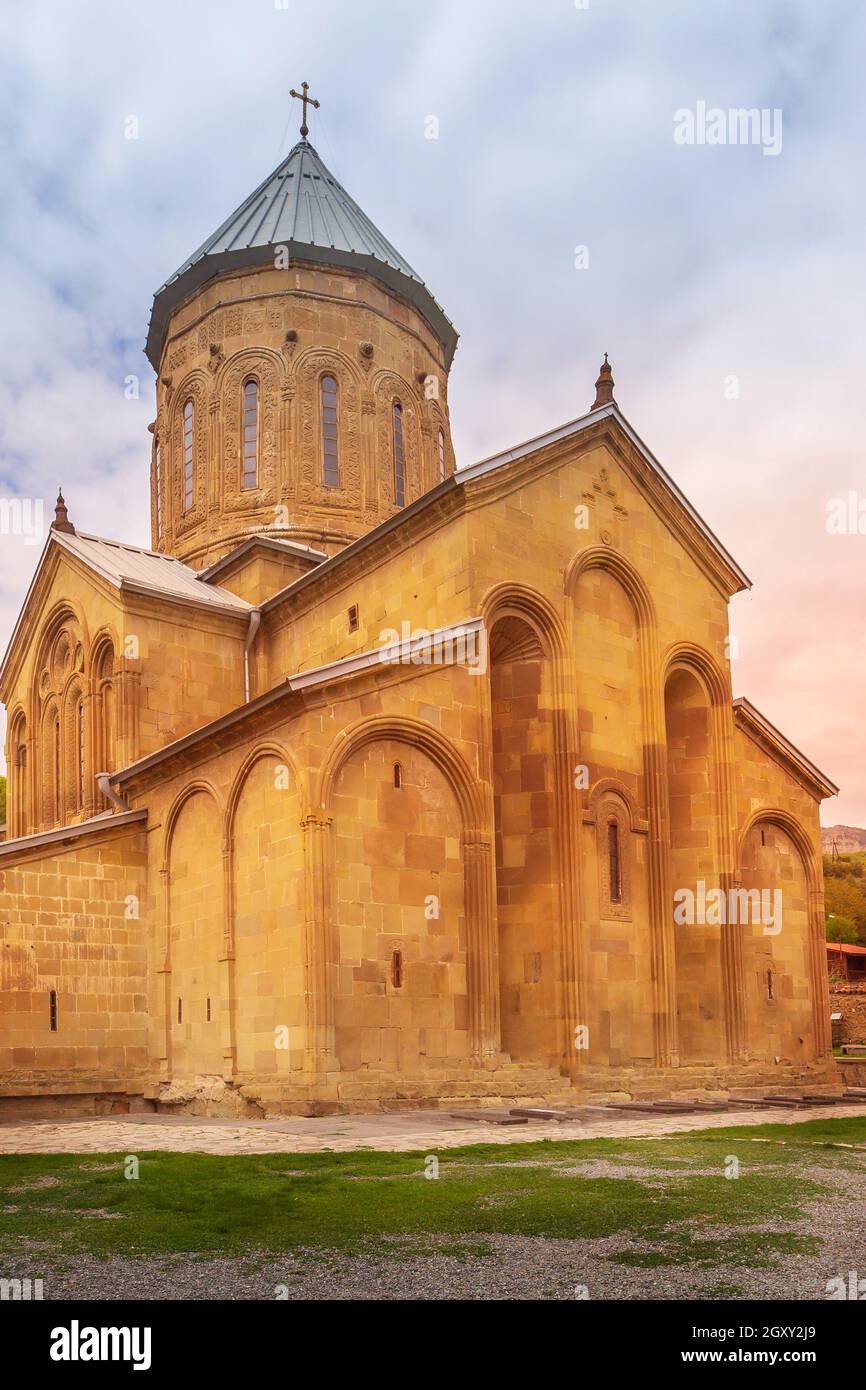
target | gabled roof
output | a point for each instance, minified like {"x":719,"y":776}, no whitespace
{"x":300,"y":206}
{"x":133,"y":569}
{"x":768,"y":737}
{"x":292,"y":549}
{"x":130,"y":569}
{"x":454,"y":484}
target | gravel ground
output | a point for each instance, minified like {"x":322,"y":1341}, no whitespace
{"x":483,"y":1266}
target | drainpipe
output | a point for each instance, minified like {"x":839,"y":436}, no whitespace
{"x":104,"y":785}
{"x":255,"y":624}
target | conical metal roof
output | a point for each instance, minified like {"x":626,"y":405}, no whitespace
{"x":303,"y":207}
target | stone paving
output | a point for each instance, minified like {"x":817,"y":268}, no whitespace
{"x":423,"y":1130}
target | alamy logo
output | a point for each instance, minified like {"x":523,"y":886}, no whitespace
{"x":854,"y":1288}
{"x":454,"y":646}
{"x":737,"y":126}
{"x":77,"y":1343}
{"x":714,"y":907}
{"x":22,"y":516}
{"x":20,"y":1290}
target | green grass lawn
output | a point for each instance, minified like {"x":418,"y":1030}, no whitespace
{"x":685,"y":1208}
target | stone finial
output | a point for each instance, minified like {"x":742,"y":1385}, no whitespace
{"x":604,"y":386}
{"x":61,"y":520}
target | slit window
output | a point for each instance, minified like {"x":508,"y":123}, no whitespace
{"x":180,"y":1011}
{"x":353,"y":618}
{"x":770,"y":994}
{"x":441,"y":455}
{"x":251,"y":433}
{"x":52,"y":1010}
{"x":614,"y":866}
{"x":330,"y":435}
{"x":57,"y":807}
{"x":399,"y":457}
{"x":208,"y":1008}
{"x":398,"y":774}
{"x":397,"y":969}
{"x":188,"y":424}
{"x":81,"y":768}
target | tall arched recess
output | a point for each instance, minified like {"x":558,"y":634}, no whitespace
{"x":694,"y":866}
{"x":400,"y":926}
{"x":785,"y":964}
{"x":527,"y":869}
{"x":267,"y":916}
{"x":621,"y":724}
{"x":195,"y":935}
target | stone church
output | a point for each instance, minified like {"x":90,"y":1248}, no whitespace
{"x":374,"y":782}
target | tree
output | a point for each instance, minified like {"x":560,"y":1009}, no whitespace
{"x":841,"y":929}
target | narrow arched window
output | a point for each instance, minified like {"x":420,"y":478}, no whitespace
{"x":613,"y":861}
{"x":188,"y":424}
{"x":80,"y":731}
{"x":330,"y":433}
{"x":251,"y":433}
{"x":157,"y":483}
{"x":441,"y":455}
{"x":399,"y":457}
{"x":57,"y":803}
{"x":52,"y":1010}
{"x":398,"y":775}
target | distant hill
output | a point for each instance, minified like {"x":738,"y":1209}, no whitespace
{"x":849,"y":840}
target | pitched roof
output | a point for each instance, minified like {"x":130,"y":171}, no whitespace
{"x":130,"y":569}
{"x":758,"y":726}
{"x":455,"y":482}
{"x":133,"y":569}
{"x":293,"y":549}
{"x":300,"y":206}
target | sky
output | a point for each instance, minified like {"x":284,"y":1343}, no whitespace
{"x":566,"y":207}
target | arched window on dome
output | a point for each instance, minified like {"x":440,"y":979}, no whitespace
{"x":441,"y":455}
{"x":330,"y":433}
{"x":157,"y":485}
{"x":251,"y":433}
{"x":399,"y":456}
{"x":188,"y":427}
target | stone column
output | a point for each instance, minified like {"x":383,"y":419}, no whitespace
{"x":127,"y":684}
{"x":572,"y":946}
{"x":92,"y":798}
{"x":660,"y":897}
{"x":228,"y":992}
{"x":819,"y":975}
{"x":320,"y":955}
{"x":161,"y":1026}
{"x":481,"y":945}
{"x":369,"y":480}
{"x":733,"y":982}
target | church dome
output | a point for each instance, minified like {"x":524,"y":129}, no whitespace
{"x":302,"y":376}
{"x":300,"y":207}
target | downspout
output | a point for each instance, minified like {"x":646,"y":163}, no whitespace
{"x":103,"y":782}
{"x":255,"y":624}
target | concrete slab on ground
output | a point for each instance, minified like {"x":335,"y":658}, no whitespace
{"x":421,"y":1130}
